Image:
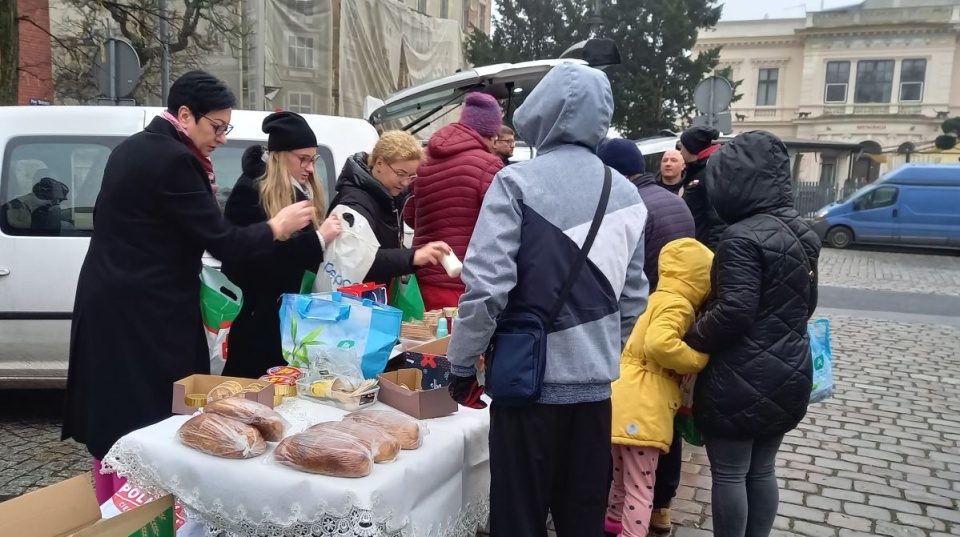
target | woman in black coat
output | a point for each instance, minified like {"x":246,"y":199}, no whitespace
{"x":757,"y":384}
{"x":375,"y":185}
{"x":265,"y":188}
{"x":136,"y":319}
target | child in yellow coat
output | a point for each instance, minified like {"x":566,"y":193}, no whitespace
{"x":647,"y":394}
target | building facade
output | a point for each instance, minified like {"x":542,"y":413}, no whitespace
{"x":36,"y":78}
{"x":883,"y":73}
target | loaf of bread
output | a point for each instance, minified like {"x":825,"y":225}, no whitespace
{"x":223,"y":390}
{"x":221,"y":436}
{"x":270,"y":424}
{"x":400,"y":426}
{"x":325,"y":452}
{"x":384,"y":447}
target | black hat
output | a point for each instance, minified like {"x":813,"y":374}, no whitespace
{"x":288,"y":131}
{"x":696,"y":139}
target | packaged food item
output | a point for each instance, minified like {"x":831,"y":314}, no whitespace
{"x":387,"y":447}
{"x":451,"y":264}
{"x":279,"y":380}
{"x":285,"y":371}
{"x":408,"y":431}
{"x":270,"y":424}
{"x":224,"y":390}
{"x":221,"y":436}
{"x":195,"y":400}
{"x":325,"y":452}
{"x":254,"y":387}
{"x":337,"y":392}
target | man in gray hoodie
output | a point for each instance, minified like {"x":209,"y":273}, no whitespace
{"x":553,"y":455}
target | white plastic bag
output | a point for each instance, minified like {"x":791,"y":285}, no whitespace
{"x":349,"y":257}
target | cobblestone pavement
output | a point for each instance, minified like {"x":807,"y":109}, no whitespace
{"x":888,"y":271}
{"x":880,"y":458}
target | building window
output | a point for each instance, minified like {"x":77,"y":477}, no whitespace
{"x":422,"y":6}
{"x":301,"y":103}
{"x":444,"y":9}
{"x":838,"y":78}
{"x":912,"y":75}
{"x":300,"y":52}
{"x":767,"y":87}
{"x":874,"y":81}
{"x":301,"y":7}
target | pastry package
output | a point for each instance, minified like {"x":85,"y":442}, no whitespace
{"x":387,"y":447}
{"x":326,"y":452}
{"x":224,"y":390}
{"x":221,"y":436}
{"x":270,"y":424}
{"x":408,"y":431}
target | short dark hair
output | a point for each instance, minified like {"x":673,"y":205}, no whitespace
{"x":201,"y":92}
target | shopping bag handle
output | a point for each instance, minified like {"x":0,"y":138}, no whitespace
{"x":323,"y":310}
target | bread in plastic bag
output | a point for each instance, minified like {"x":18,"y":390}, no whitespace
{"x":270,"y":424}
{"x":408,"y":431}
{"x":221,"y":436}
{"x":223,"y":390}
{"x":388,"y":447}
{"x":326,"y":452}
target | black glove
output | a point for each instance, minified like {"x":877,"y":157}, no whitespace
{"x":466,"y":391}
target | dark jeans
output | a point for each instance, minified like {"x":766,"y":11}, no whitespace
{"x":745,"y":491}
{"x":668,"y":473}
{"x":549,"y":458}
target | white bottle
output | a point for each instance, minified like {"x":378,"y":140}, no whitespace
{"x":451,"y":264}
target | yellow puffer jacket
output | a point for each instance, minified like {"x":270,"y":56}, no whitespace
{"x":647,"y":394}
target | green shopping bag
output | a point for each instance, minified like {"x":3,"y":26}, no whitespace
{"x":306,"y":286}
{"x":406,"y":297}
{"x":220,"y":303}
{"x":683,"y":421}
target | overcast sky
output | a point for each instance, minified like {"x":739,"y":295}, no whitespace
{"x":776,"y":9}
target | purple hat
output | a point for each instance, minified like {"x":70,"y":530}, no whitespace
{"x":482,"y":113}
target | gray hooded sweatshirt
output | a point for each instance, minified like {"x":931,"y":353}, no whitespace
{"x":534,"y":218}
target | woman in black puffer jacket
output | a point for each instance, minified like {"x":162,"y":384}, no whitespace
{"x":757,"y":384}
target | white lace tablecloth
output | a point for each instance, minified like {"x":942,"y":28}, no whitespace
{"x":441,"y":489}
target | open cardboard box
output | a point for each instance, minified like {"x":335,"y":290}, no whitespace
{"x":69,"y":509}
{"x":402,"y":389}
{"x":202,"y":384}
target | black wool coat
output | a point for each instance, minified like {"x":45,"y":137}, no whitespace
{"x":136,"y":320}
{"x":254,"y":340}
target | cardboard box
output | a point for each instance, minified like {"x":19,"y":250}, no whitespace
{"x":403,"y":390}
{"x":202,"y":384}
{"x":69,"y":509}
{"x":431,"y":359}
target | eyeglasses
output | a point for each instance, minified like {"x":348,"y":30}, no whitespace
{"x":508,"y":142}
{"x":219,"y":129}
{"x":306,"y":160}
{"x":402,"y":174}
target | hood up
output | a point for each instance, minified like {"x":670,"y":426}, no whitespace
{"x":454,"y":139}
{"x":685,"y":270}
{"x":748,"y":176}
{"x":573,"y":104}
{"x":252,"y":164}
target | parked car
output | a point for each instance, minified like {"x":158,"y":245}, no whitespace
{"x":51,"y":165}
{"x":914,"y":205}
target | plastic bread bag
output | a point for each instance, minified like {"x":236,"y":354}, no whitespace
{"x":224,"y":390}
{"x":270,"y":423}
{"x":408,"y":431}
{"x":388,"y":447}
{"x":221,"y":436}
{"x":326,"y":452}
{"x":342,"y":364}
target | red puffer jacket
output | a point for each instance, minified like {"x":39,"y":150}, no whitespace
{"x":447,"y":194}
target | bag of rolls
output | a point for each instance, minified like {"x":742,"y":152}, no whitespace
{"x":387,"y":447}
{"x":408,"y":431}
{"x":326,"y":452}
{"x":221,"y":436}
{"x":270,"y":424}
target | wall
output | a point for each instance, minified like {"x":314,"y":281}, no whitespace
{"x":36,"y":78}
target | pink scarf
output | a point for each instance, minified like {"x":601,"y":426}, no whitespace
{"x":185,"y":138}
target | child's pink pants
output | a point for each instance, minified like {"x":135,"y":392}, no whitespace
{"x":631,"y":495}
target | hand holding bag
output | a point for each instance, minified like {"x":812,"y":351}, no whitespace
{"x":517,"y":355}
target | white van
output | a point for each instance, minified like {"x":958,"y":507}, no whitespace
{"x":40,"y":257}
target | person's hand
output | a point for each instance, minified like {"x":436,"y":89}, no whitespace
{"x":330,"y":228}
{"x":291,"y":219}
{"x":430,"y":253}
{"x":466,"y":391}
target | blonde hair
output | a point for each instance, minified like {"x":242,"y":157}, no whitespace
{"x":277,"y":190}
{"x":396,"y":146}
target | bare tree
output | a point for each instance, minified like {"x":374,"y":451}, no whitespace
{"x":198,"y":29}
{"x":9,"y":53}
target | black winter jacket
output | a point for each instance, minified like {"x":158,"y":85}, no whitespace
{"x":255,"y":334}
{"x":357,"y":189}
{"x":709,"y":225}
{"x":668,"y":219}
{"x":758,"y":380}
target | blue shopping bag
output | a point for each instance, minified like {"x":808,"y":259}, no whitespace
{"x":819,"y":333}
{"x":312,"y":325}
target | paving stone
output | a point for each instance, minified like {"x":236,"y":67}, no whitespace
{"x":791,"y":496}
{"x":856,"y":523}
{"x":867,"y":511}
{"x":874,"y":488}
{"x":926,"y":498}
{"x":896,"y":530}
{"x":691,"y":532}
{"x":813,"y":530}
{"x":895,"y":505}
{"x":822,"y":503}
{"x":919,"y":521}
{"x":846,"y":495}
{"x":950,"y":515}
